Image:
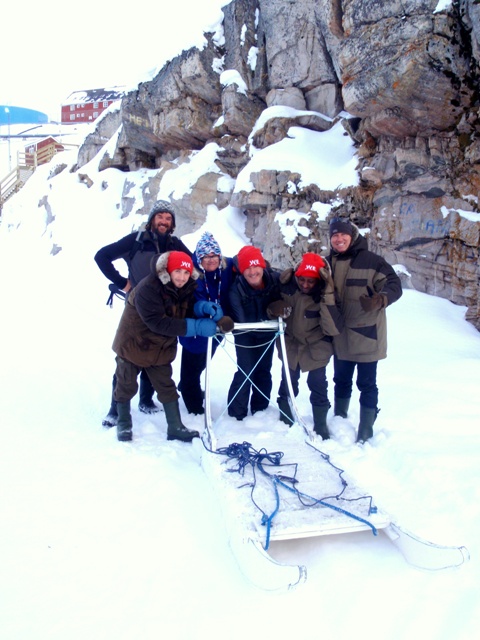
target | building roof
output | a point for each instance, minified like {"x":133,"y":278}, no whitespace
{"x":95,"y":95}
{"x":19,"y":115}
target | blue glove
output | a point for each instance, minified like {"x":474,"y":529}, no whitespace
{"x":203,"y":327}
{"x":206,"y":309}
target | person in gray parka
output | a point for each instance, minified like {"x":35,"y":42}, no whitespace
{"x":365,"y":285}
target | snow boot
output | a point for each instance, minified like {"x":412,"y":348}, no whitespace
{"x":176,"y":429}
{"x":111,"y":418}
{"x":365,"y":428}
{"x":320,"y":421}
{"x":341,"y":406}
{"x":124,"y":422}
{"x":285,"y":411}
{"x":146,"y":403}
{"x":148,"y":407}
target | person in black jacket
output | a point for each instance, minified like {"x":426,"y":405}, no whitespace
{"x":250,"y":294}
{"x":137,"y":250}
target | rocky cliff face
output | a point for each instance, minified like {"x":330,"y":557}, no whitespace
{"x":403,"y":78}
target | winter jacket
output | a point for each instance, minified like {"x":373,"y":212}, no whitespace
{"x":213,"y":286}
{"x":137,"y":249}
{"x":358,"y":272}
{"x":153,"y":317}
{"x":314,"y":319}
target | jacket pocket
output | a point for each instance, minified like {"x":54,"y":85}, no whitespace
{"x":361,"y":340}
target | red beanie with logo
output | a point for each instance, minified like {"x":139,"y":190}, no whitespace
{"x":250,"y":257}
{"x":179,"y":260}
{"x":310,"y":266}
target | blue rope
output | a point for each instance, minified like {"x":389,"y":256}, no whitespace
{"x":246,"y":455}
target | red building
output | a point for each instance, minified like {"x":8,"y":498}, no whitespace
{"x":42,"y":151}
{"x":87,"y":105}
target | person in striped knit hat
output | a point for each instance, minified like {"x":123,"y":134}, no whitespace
{"x":216,"y":275}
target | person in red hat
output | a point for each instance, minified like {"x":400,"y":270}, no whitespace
{"x":312,"y":317}
{"x":250,"y":294}
{"x":158,"y":310}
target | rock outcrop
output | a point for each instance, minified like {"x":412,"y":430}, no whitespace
{"x":401,"y":76}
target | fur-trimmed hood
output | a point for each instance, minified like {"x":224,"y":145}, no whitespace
{"x":159,"y":267}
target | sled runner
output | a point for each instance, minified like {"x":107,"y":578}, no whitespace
{"x":278,"y":484}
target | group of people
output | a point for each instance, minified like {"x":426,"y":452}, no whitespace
{"x":332,"y":306}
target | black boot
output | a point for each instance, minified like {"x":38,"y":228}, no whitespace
{"x":124,"y":422}
{"x":176,"y":429}
{"x":320,"y":421}
{"x":367,"y":419}
{"x":146,"y":403}
{"x":285,"y":411}
{"x":340,"y":407}
{"x":110,"y":419}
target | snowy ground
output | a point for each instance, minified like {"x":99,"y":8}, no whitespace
{"x":102,"y":539}
{"x":109,"y":541}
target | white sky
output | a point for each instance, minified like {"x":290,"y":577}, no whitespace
{"x":49,"y":49}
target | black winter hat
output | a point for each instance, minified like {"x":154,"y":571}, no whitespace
{"x":161,"y":206}
{"x":341,"y":225}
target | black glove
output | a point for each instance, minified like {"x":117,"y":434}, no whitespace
{"x":279,"y":309}
{"x":225,"y":324}
{"x":373,"y":302}
{"x":115,"y":291}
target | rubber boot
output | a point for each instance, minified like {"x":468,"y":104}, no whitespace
{"x":341,"y":407}
{"x":146,"y":403}
{"x":110,"y":419}
{"x":124,"y":422}
{"x":285,"y":411}
{"x":320,"y":421}
{"x":365,"y":428}
{"x":176,"y":429}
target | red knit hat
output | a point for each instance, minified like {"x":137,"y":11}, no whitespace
{"x":179,"y":260}
{"x":250,"y":257}
{"x":310,"y":266}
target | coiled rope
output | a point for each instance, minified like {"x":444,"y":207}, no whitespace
{"x":245,"y":455}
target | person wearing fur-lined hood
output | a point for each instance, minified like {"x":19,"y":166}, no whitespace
{"x":159,"y":310}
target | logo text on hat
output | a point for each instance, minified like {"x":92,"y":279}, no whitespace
{"x":185,"y":264}
{"x":254,"y":263}
{"x":310,"y":267}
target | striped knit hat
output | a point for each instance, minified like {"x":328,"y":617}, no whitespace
{"x":207,"y":245}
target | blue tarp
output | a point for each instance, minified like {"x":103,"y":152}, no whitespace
{"x":19,"y":115}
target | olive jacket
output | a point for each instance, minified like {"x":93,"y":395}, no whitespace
{"x":314,"y":319}
{"x":357,"y":272}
